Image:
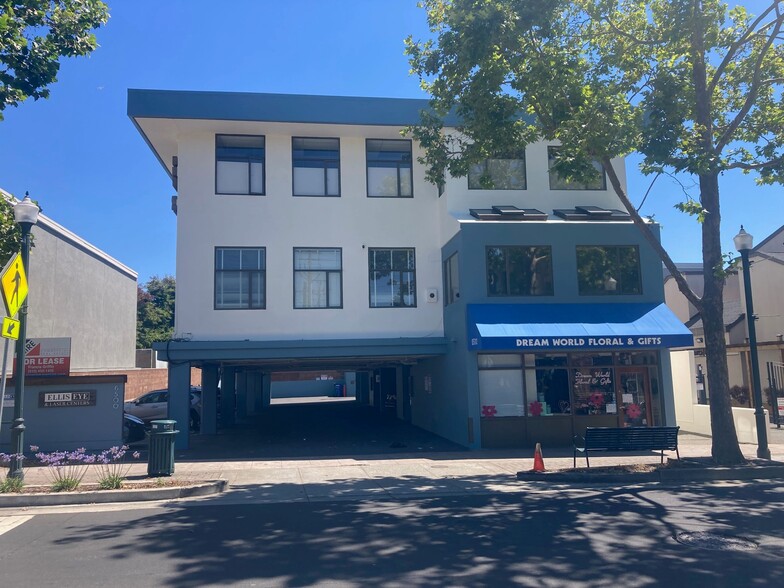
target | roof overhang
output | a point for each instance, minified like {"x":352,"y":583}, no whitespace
{"x":302,"y":355}
{"x":155,"y":113}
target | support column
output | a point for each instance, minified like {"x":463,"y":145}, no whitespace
{"x":228,"y":391}
{"x":242,"y":395}
{"x":666,"y":388}
{"x":266,"y":389}
{"x":180,"y":401}
{"x":254,"y":392}
{"x":209,"y":399}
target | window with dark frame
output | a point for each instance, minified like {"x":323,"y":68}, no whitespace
{"x":240,"y":278}
{"x":451,"y":280}
{"x":318,"y":277}
{"x":608,"y":270}
{"x":563,"y":385}
{"x":559,"y":183}
{"x":503,"y":173}
{"x":392,"y":274}
{"x":316,"y":166}
{"x":519,"y":271}
{"x":389,"y":169}
{"x":239,"y":164}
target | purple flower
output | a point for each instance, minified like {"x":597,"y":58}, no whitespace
{"x":136,"y":455}
{"x":34,"y":448}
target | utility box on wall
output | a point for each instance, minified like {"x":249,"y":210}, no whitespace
{"x":68,"y":413}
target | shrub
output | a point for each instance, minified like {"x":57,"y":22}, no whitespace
{"x":9,"y":485}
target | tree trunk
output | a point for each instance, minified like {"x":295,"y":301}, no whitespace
{"x":724,"y":448}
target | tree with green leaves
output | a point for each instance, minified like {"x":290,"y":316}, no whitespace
{"x":10,"y":231}
{"x":692,"y":86}
{"x":155,"y":311}
{"x":35,"y":35}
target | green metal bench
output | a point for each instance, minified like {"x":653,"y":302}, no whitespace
{"x":627,"y":439}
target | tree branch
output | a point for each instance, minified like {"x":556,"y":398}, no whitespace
{"x":754,"y":166}
{"x":737,"y":45}
{"x":683,"y":285}
{"x":751,"y":95}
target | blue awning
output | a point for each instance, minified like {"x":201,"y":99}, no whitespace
{"x":547,"y":327}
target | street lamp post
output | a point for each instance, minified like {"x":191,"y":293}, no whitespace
{"x":743,"y":243}
{"x":26,"y":215}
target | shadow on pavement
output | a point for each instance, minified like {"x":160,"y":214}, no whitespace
{"x":615,"y":537}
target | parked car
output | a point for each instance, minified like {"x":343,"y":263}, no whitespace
{"x":155,"y":405}
{"x":133,"y":428}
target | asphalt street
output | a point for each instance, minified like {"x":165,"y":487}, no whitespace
{"x":542,"y":537}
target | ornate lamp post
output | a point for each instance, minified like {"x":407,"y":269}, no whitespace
{"x":26,"y":215}
{"x":743,"y":243}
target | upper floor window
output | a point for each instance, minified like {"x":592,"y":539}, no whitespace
{"x":392,"y":278}
{"x":239,"y":164}
{"x":519,"y":271}
{"x":608,"y":270}
{"x":451,"y":280}
{"x":316,"y":164}
{"x":559,"y":183}
{"x":240,"y":279}
{"x":498,"y":174}
{"x":389,"y":172}
{"x":318,"y":277}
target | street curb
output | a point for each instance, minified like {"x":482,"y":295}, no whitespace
{"x":110,"y":496}
{"x":674,"y":475}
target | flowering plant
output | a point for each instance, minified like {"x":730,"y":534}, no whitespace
{"x":10,"y":484}
{"x":66,"y":469}
{"x":113,"y":469}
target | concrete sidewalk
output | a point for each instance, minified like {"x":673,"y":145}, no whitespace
{"x":392,"y":476}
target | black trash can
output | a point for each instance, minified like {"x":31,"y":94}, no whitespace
{"x":161,"y":459}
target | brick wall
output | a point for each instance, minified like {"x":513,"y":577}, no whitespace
{"x":141,"y":381}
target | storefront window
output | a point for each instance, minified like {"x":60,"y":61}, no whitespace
{"x":501,"y":360}
{"x":501,"y":393}
{"x":593,"y":386}
{"x":579,"y":384}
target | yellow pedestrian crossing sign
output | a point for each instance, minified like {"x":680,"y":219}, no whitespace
{"x":14,"y":281}
{"x":10,"y":328}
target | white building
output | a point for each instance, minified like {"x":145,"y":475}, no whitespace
{"x":308,"y":237}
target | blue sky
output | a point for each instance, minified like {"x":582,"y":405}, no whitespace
{"x":80,"y":156}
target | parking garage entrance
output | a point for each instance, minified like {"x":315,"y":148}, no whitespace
{"x":341,"y":398}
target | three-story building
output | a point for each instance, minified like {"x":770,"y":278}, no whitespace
{"x":309,"y":238}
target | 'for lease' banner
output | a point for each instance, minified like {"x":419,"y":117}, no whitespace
{"x":47,"y":357}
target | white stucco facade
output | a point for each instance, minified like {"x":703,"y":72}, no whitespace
{"x":280,"y":222}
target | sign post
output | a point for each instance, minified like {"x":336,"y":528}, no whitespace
{"x":14,"y":285}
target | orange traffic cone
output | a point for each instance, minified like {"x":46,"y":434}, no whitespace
{"x":538,"y":461}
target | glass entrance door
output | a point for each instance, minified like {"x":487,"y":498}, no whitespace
{"x":634,"y":397}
